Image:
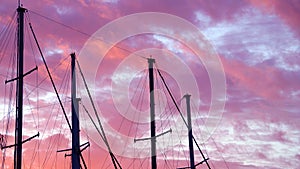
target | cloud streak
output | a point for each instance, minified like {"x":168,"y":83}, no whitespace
{"x":258,"y":44}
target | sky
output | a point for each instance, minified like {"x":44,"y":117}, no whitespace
{"x":239,"y":59}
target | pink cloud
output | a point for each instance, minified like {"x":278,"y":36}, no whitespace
{"x":264,"y":81}
{"x":287,"y":10}
{"x":262,"y":92}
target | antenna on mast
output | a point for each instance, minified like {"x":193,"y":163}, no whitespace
{"x":20,"y":4}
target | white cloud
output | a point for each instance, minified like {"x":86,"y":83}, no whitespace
{"x":202,"y":19}
{"x":254,"y":37}
{"x":258,"y":143}
{"x":62,"y":10}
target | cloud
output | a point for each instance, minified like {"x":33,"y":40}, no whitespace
{"x":287,"y":10}
{"x":257,"y":142}
{"x":258,"y":42}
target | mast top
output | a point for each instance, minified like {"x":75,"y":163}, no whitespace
{"x":73,"y":55}
{"x":151,"y":60}
{"x":20,"y":7}
{"x":187,"y":95}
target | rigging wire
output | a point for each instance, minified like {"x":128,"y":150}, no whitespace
{"x":50,"y":76}
{"x":8,"y":33}
{"x":161,"y":121}
{"x":181,"y":145}
{"x":140,"y":104}
{"x":7,"y":29}
{"x":170,"y":94}
{"x":166,"y":116}
{"x":44,"y":79}
{"x":81,"y":33}
{"x":193,"y":104}
{"x":86,"y":137}
{"x":97,"y":128}
{"x":28,"y":93}
{"x":85,"y":34}
{"x":27,"y":96}
{"x":38,"y":107}
{"x":193,"y":107}
{"x":142,"y":82}
{"x":138,"y":107}
{"x":103,"y":136}
{"x":66,"y":78}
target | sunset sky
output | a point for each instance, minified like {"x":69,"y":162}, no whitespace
{"x":239,"y":59}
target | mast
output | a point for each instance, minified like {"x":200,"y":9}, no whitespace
{"x":19,"y":94}
{"x":190,"y":133}
{"x":152,"y":117}
{"x":75,"y":118}
{"x":76,"y":155}
{"x":191,"y":137}
{"x":152,"y":114}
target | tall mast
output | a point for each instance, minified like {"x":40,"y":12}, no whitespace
{"x":152,"y":117}
{"x":191,"y":137}
{"x":75,"y":119}
{"x":76,"y":151}
{"x":190,"y":132}
{"x":19,"y":92}
{"x":152,"y":114}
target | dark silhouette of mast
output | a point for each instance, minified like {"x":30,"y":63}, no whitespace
{"x":190,"y":132}
{"x":191,"y":137}
{"x":19,"y":102}
{"x":76,"y":149}
{"x":189,"y":126}
{"x":19,"y":92}
{"x":152,"y":114}
{"x":75,"y":118}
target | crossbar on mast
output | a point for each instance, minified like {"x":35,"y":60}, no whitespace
{"x":149,"y":138}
